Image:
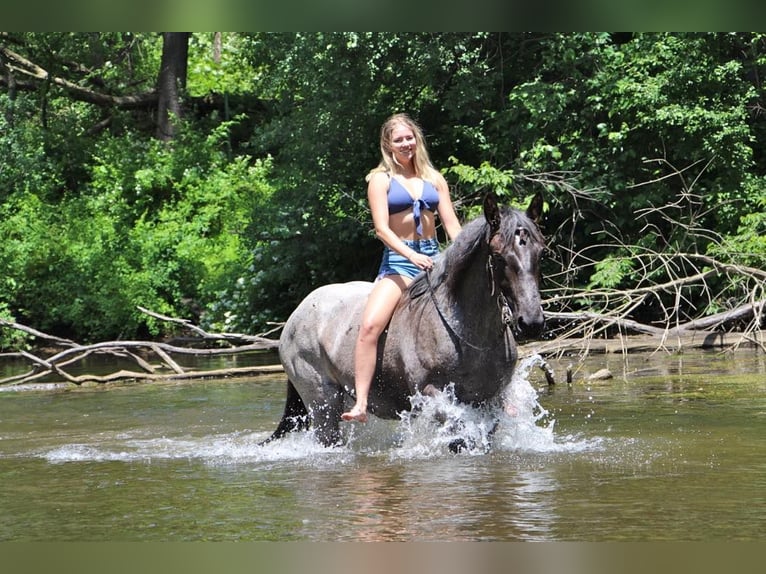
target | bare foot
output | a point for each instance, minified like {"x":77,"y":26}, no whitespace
{"x":355,"y":414}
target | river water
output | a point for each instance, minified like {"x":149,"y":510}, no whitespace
{"x":670,"y":448}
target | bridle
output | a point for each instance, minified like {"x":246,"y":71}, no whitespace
{"x":494,"y":262}
{"x":506,"y":312}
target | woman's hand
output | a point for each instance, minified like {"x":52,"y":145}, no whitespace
{"x":422,"y":261}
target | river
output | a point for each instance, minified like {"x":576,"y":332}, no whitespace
{"x":670,"y":448}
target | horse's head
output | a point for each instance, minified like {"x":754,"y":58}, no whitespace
{"x":515,"y":245}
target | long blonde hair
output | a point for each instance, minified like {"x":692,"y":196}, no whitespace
{"x":424,"y":169}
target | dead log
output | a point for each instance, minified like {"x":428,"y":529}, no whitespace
{"x":159,"y":361}
{"x":155,"y":360}
{"x":583,"y":346}
{"x":747,"y":312}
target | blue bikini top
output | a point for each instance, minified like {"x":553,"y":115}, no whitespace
{"x":400,"y":199}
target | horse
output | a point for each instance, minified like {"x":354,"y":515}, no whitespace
{"x":455,"y":324}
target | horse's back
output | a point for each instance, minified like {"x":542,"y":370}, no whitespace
{"x":324,"y":302}
{"x":319,"y":336}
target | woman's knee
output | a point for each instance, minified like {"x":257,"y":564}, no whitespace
{"x":370,"y":330}
{"x":380,"y":307}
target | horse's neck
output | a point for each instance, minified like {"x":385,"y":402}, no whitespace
{"x":470,"y":299}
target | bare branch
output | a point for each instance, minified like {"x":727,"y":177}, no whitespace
{"x":231,"y":337}
{"x":137,"y":352}
{"x":38,"y":334}
{"x":17,"y":63}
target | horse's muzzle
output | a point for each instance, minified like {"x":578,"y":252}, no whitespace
{"x":529,"y":326}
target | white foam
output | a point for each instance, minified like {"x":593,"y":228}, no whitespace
{"x":214,"y":449}
{"x":519,"y":423}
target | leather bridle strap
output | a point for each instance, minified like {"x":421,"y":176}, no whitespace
{"x":506,"y":314}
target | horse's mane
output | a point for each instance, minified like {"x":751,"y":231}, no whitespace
{"x":449,"y":265}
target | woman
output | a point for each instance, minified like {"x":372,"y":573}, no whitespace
{"x":405,"y":192}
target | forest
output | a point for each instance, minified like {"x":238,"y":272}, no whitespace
{"x":217,"y":178}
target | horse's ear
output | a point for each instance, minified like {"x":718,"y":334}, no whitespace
{"x":535,"y":209}
{"x":492,"y":213}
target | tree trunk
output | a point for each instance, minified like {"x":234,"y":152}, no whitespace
{"x":171,"y":82}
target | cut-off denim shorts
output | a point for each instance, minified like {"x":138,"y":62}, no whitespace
{"x":395,"y":264}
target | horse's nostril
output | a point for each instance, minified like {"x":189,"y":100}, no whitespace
{"x":531,"y":328}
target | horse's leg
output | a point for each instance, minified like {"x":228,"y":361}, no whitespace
{"x":294,"y":417}
{"x":325,"y":416}
{"x":459,"y":444}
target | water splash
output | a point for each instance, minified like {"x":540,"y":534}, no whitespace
{"x":518,"y":422}
{"x":438,"y":425}
{"x":232,"y":448}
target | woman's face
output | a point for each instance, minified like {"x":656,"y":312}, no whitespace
{"x":403,"y":144}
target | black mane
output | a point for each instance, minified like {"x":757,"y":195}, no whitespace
{"x":449,"y":265}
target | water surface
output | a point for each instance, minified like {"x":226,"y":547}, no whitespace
{"x":671,"y":448}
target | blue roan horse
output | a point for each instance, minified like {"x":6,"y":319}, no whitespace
{"x":454,"y":324}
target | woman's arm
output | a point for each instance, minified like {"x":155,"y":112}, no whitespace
{"x":446,"y":210}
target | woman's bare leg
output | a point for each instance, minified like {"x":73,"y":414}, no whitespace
{"x":377,"y":313}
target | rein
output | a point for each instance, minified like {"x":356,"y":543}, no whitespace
{"x":506,"y":314}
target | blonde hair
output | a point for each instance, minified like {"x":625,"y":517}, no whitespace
{"x":424,"y":169}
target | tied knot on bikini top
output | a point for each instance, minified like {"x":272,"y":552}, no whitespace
{"x":399,"y":199}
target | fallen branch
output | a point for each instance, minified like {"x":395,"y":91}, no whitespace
{"x":204,"y":335}
{"x":38,"y":334}
{"x":583,"y":346}
{"x":14,"y":62}
{"x":742,"y":313}
{"x":155,"y":360}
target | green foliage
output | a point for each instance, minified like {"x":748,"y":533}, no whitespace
{"x":748,"y":245}
{"x":157,"y":226}
{"x":611,"y":272}
{"x":623,"y":114}
{"x":120,"y":60}
{"x":486,"y":178}
{"x":246,"y":211}
{"x":331,"y":92}
{"x":11,"y":339}
{"x":228,"y":73}
{"x":476,"y":182}
{"x":27,"y":165}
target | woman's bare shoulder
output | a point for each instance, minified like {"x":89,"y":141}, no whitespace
{"x":379,"y":180}
{"x":380,"y":176}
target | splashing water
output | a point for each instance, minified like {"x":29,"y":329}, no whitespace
{"x":517,"y":422}
{"x":436,"y":425}
{"x":216,"y":450}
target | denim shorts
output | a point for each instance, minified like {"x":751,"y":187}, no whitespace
{"x":395,"y":264}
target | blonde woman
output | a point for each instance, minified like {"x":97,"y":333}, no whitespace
{"x":405,"y":193}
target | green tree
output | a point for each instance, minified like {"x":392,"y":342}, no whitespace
{"x":98,"y":216}
{"x":646,"y":145}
